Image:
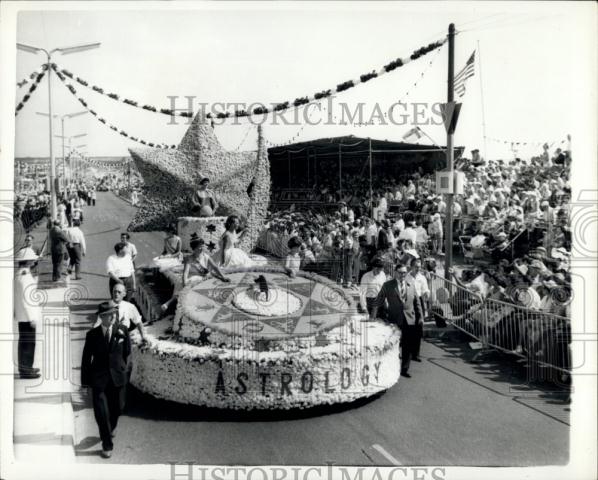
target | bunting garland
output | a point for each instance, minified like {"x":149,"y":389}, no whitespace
{"x":262,"y":109}
{"x":32,"y":76}
{"x":335,"y":118}
{"x":32,"y":88}
{"x":525,"y":144}
{"x":121,"y":132}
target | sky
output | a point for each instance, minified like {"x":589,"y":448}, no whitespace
{"x":531,"y":57}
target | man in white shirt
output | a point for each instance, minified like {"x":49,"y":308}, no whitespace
{"x":130,"y":247}
{"x":128,"y":315}
{"x":370,"y":285}
{"x":76,"y":247}
{"x":27,"y":314}
{"x":409,"y":233}
{"x":422,"y":290}
{"x":120,"y":268}
{"x":478,"y":240}
{"x":371,"y":231}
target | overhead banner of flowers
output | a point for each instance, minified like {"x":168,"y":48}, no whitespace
{"x":109,"y":125}
{"x":261,"y":110}
{"x":38,"y":78}
{"x":33,"y":75}
{"x":532,"y":144}
{"x":106,"y":165}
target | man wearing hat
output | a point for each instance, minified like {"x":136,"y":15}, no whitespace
{"x":104,"y":369}
{"x":203,"y":200}
{"x":404,"y":310}
{"x":26,"y":313}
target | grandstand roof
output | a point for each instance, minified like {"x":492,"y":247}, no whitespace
{"x":352,"y":144}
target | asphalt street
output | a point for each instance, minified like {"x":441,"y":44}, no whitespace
{"x":451,"y":412}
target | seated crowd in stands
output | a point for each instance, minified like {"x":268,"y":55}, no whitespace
{"x":512,"y":217}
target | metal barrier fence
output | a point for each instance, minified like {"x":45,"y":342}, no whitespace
{"x":543,"y":339}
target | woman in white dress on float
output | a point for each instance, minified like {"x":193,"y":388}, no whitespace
{"x":198,"y":266}
{"x":229,"y":256}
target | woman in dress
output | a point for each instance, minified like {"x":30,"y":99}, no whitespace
{"x":172,"y":243}
{"x":198,"y":265}
{"x":229,"y":256}
{"x":203,"y":201}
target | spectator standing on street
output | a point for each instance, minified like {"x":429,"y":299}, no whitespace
{"x":104,"y":369}
{"x":404,"y":310}
{"x":130,"y":247}
{"x":121,"y":270}
{"x":26,"y":313}
{"x":134,"y":198}
{"x":58,"y":241}
{"x":128,"y":314}
{"x":371,"y":284}
{"x":27,"y":248}
{"x":93,"y":197}
{"x":423,"y":293}
{"x":76,"y":248}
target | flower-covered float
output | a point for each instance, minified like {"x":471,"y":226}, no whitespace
{"x":265,"y":341}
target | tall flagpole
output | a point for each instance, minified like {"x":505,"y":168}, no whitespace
{"x":482,"y":102}
{"x":448,"y":248}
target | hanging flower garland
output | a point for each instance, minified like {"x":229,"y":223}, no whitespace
{"x":525,"y":144}
{"x":32,"y":88}
{"x":121,"y":132}
{"x":365,"y":78}
{"x":32,"y":76}
{"x":260,"y":110}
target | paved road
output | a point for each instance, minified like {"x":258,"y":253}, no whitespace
{"x":451,"y":412}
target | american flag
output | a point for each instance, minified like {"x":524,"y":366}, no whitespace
{"x":467,"y":72}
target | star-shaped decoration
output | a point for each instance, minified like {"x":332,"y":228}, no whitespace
{"x":211,"y":228}
{"x":211,"y":246}
{"x":171,"y":177}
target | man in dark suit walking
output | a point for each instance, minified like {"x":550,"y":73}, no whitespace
{"x":104,"y":369}
{"x":400,"y":299}
{"x":58,"y":243}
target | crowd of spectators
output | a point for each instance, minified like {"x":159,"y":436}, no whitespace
{"x":512,"y":223}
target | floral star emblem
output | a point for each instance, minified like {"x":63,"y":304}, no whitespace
{"x":211,"y":246}
{"x":240,"y":180}
{"x":211,"y":228}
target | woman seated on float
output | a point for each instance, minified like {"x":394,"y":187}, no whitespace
{"x":172,"y":243}
{"x":229,"y":255}
{"x":203,"y":201}
{"x":293,"y":260}
{"x":197,"y":265}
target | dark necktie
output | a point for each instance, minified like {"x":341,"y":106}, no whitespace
{"x":107,"y":336}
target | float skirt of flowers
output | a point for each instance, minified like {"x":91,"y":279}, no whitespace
{"x":218,"y":353}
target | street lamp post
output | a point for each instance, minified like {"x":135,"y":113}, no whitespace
{"x":79,"y":161}
{"x":64,"y":51}
{"x":62,"y":118}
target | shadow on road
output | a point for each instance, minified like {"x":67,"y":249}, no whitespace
{"x":507,"y":375}
{"x":145,"y":406}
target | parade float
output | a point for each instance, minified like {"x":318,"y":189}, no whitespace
{"x":263,"y":340}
